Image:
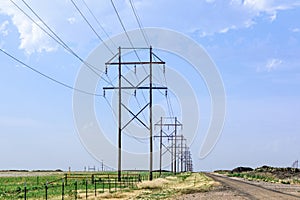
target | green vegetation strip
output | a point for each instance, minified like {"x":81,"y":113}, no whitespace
{"x":71,"y":186}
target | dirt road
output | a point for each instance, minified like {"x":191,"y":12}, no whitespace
{"x":232,"y":188}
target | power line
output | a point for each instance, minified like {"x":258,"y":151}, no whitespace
{"x":99,"y":24}
{"x":131,"y":43}
{"x":85,"y":19}
{"x":57,"y":39}
{"x":124,"y":29}
{"x":93,"y":29}
{"x":147,"y":42}
{"x":61,"y":42}
{"x":46,"y":76}
{"x":139,"y":23}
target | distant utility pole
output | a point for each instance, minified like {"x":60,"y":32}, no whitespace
{"x":295,"y":164}
{"x":189,"y":162}
{"x":139,"y":86}
{"x":182,"y":139}
{"x":168,"y":122}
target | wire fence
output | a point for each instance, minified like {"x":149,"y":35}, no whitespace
{"x":71,"y":186}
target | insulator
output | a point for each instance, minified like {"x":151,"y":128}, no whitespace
{"x":105,"y":69}
{"x":103,"y":93}
{"x":134,"y":93}
{"x":166,"y":93}
{"x":164,"y":69}
{"x":135,"y":69}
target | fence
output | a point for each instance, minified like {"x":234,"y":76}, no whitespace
{"x":71,"y":186}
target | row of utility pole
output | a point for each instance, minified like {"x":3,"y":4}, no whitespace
{"x":176,"y":145}
{"x":178,"y":148}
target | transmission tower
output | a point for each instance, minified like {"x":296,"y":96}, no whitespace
{"x":134,"y":87}
{"x":171,"y":134}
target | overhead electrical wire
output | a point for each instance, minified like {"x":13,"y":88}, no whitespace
{"x":95,"y":32}
{"x":131,"y":44}
{"x":85,"y":19}
{"x":99,"y":24}
{"x":93,"y":29}
{"x":139,"y":23}
{"x":170,"y":109}
{"x":126,"y":33}
{"x":65,"y":46}
{"x":56,"y":38}
{"x":46,"y":76}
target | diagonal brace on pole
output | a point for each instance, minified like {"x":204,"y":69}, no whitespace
{"x":135,"y":116}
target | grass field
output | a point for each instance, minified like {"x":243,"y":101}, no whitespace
{"x":100,"y":185}
{"x":56,"y":185}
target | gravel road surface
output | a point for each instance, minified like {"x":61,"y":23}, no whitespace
{"x":236,"y":188}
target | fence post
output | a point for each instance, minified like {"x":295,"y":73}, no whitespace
{"x":93,"y":178}
{"x":103,"y":185}
{"x":62,"y":189}
{"x":95,"y":186}
{"x":109,"y":185}
{"x":76,"y":189}
{"x":86,"y":189}
{"x":25,"y":191}
{"x":115,"y":184}
{"x":66,"y":179}
{"x":46,"y":190}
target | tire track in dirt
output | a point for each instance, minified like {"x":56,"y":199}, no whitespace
{"x":251,"y":191}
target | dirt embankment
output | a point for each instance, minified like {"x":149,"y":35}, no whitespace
{"x":266,"y":173}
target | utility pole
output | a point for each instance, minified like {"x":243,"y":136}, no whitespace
{"x":160,"y":147}
{"x":120,"y":88}
{"x":150,"y":119}
{"x":168,"y":122}
{"x":120,"y":119}
{"x":175,"y":147}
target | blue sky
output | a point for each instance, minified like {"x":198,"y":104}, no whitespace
{"x":254,"y":43}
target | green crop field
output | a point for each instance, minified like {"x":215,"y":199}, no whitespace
{"x":66,"y":185}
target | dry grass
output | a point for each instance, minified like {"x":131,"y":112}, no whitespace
{"x":164,"y":188}
{"x":153,"y":185}
{"x":172,"y":186}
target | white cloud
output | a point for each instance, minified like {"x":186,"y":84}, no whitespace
{"x":210,"y":1}
{"x":32,"y":39}
{"x":295,"y":30}
{"x":3,"y":28}
{"x":225,"y":30}
{"x":201,"y":17}
{"x":261,"y":5}
{"x":270,"y":7}
{"x":273,"y":64}
{"x":210,"y":17}
{"x":71,"y":20}
{"x":270,"y":65}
